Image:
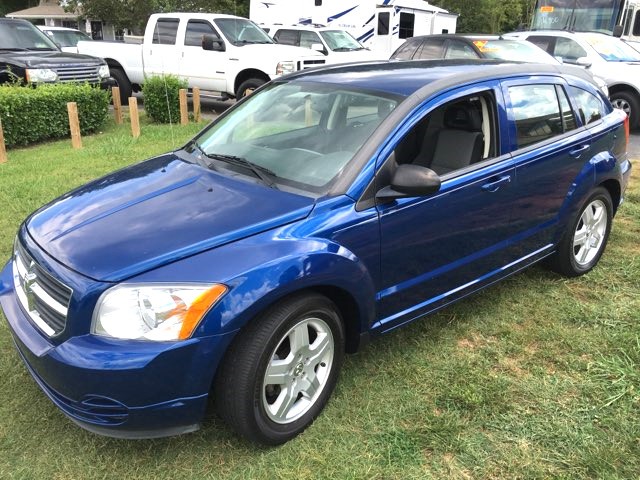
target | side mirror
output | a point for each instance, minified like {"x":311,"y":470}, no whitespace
{"x":212,"y":43}
{"x":618,"y":31}
{"x":410,"y":181}
{"x":584,"y":62}
{"x":318,"y":47}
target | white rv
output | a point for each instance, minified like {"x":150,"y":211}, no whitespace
{"x":380,"y":25}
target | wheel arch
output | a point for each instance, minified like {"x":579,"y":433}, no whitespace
{"x":615,"y":191}
{"x":623,"y":87}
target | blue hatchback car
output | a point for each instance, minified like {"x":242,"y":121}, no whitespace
{"x":328,"y":207}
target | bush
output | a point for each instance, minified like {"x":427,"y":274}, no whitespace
{"x":35,"y":114}
{"x":162,"y":98}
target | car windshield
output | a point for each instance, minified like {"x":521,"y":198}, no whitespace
{"x":240,"y":31}
{"x":340,"y":41}
{"x":23,"y":36}
{"x":513,"y":50}
{"x":303,"y":134}
{"x":612,"y":49}
{"x":67,"y":38}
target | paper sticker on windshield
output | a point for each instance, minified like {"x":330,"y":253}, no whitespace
{"x":547,"y":9}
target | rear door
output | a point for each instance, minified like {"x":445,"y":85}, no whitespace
{"x":549,"y":147}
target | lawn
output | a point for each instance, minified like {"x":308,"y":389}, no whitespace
{"x":536,"y":377}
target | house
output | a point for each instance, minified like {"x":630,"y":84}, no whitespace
{"x":50,"y":13}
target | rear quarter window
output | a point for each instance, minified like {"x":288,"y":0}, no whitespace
{"x":591,"y":108}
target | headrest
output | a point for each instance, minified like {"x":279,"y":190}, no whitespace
{"x":461,"y":117}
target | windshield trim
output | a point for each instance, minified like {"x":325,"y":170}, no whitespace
{"x":221,"y":24}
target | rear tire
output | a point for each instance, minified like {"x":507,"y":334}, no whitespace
{"x":123,"y":83}
{"x":628,"y":103}
{"x":248,"y":86}
{"x":280,"y":371}
{"x":586,"y":237}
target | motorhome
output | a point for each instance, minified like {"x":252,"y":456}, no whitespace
{"x":619,"y":17}
{"x":380,"y":25}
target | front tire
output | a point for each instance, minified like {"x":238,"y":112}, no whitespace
{"x":248,"y":86}
{"x":279,"y":373}
{"x":629,"y":104}
{"x":584,"y":241}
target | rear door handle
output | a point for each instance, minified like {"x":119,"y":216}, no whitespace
{"x":495,"y":183}
{"x":578,"y":151}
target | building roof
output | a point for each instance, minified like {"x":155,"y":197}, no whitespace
{"x":46,"y":9}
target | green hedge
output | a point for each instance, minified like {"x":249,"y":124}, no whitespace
{"x":162,"y":98}
{"x":35,"y":114}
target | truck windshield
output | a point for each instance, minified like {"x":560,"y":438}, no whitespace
{"x":577,"y":15}
{"x":612,"y":49}
{"x":67,"y":38}
{"x":340,"y":41}
{"x":513,"y":51}
{"x":304,"y":134}
{"x":241,"y":31}
{"x":23,"y":36}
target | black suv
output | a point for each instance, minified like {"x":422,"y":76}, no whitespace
{"x":28,"y":55}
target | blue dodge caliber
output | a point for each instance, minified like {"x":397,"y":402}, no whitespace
{"x":328,"y":207}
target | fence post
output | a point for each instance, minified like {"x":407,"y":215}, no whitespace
{"x":74,"y":125}
{"x":196,"y":104}
{"x":184,"y":111}
{"x":135,"y":117}
{"x":117,"y":105}
{"x":3,"y":149}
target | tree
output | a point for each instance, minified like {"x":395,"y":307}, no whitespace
{"x":133,"y":14}
{"x":489,"y":16}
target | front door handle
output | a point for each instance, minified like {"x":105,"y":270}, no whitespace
{"x":494,"y":184}
{"x":578,"y":151}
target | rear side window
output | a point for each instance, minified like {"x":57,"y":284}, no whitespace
{"x":165,"y":31}
{"x":287,"y":37}
{"x":307,"y":39}
{"x":537,"y":113}
{"x":431,"y":48}
{"x":590,"y":107}
{"x":195,"y":31}
{"x":543,"y":42}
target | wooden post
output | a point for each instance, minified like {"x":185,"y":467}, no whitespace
{"x":135,"y":117}
{"x":184,"y":110}
{"x":196,"y":104}
{"x":3,"y":150}
{"x":74,"y":125}
{"x":117,"y":105}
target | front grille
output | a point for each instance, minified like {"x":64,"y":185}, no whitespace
{"x":310,"y":63}
{"x":78,"y":73}
{"x":43,"y":297}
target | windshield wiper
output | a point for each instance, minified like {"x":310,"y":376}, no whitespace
{"x":14,"y":49}
{"x":264,"y":174}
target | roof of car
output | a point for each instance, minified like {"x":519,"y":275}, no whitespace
{"x":406,"y":77}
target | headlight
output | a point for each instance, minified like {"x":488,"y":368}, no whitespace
{"x":154,"y":312}
{"x":103,"y":71}
{"x":41,"y":75}
{"x":285,"y":67}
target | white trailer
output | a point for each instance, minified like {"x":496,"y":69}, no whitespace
{"x":380,"y":25}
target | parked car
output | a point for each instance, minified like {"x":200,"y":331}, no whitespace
{"x":28,"y":55}
{"x":337,"y":45}
{"x":66,"y":38}
{"x":607,"y":57}
{"x":329,"y":207}
{"x":223,"y":55}
{"x":428,"y":47}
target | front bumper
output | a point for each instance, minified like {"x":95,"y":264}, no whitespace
{"x":128,"y":389}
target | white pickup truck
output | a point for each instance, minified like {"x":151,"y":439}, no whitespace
{"x":222,"y":54}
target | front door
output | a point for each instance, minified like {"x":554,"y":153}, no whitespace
{"x":202,"y":68}
{"x":436,"y":248}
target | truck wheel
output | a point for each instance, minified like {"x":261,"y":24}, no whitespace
{"x":629,"y":104}
{"x":583,"y":243}
{"x":278,"y":374}
{"x":123,"y":83}
{"x":248,"y":86}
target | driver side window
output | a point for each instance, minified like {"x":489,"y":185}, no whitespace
{"x":454,"y":136}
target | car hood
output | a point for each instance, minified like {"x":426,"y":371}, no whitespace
{"x":155,"y":213}
{"x":286,"y":52}
{"x":50,"y":59}
{"x":617,"y":72}
{"x":355,"y":56}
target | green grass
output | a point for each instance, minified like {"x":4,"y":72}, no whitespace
{"x":537,"y":377}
